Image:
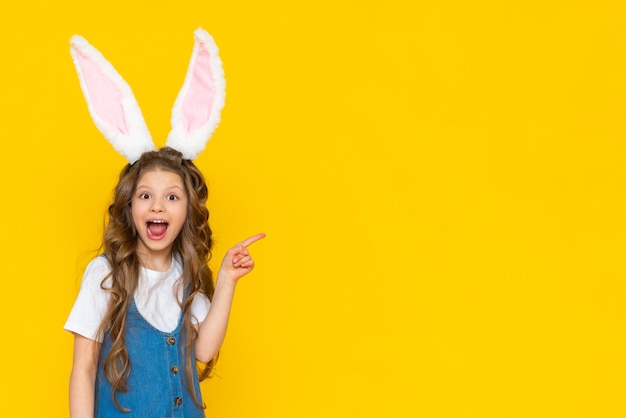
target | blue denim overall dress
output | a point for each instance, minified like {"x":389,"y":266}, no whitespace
{"x":156,"y":384}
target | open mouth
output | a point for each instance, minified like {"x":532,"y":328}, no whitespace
{"x":156,"y":229}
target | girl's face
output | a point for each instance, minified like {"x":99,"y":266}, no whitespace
{"x":159,"y":209}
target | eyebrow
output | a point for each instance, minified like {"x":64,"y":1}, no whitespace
{"x":175,"y":186}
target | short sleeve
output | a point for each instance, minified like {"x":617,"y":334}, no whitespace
{"x":199,"y":308}
{"x":91,"y":303}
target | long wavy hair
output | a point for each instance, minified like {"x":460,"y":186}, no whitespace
{"x":193,"y":245}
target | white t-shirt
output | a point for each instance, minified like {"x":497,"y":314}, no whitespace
{"x":155,"y":297}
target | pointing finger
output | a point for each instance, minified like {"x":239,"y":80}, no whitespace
{"x":252,"y":239}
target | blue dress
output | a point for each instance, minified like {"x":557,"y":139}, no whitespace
{"x":156,"y":384}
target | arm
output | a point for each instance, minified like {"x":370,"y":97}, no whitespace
{"x":236,"y":264}
{"x":83,"y":377}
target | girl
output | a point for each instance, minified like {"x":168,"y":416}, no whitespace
{"x":147,"y":309}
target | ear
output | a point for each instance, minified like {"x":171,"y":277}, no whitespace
{"x":111,"y":102}
{"x":196,"y":112}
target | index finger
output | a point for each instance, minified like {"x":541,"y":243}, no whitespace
{"x":252,"y":239}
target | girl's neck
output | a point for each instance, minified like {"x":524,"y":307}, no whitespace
{"x":156,"y":261}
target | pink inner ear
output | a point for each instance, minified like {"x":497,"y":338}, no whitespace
{"x":197,"y":105}
{"x":104,"y":95}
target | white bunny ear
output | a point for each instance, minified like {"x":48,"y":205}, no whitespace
{"x":111,"y":102}
{"x":196,"y":112}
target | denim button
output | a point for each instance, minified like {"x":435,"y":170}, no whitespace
{"x":178,"y":401}
{"x":171,"y":340}
{"x":174,"y":369}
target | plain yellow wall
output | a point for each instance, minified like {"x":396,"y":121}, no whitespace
{"x":442,"y":184}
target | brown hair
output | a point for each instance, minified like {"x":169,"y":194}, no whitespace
{"x":193,"y":245}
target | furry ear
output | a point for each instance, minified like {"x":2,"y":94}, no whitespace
{"x":196,"y":112}
{"x":111,"y":102}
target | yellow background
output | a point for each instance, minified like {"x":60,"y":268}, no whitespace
{"x":442,"y":184}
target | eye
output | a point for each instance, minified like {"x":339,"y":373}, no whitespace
{"x":144,"y":196}
{"x":172,"y":197}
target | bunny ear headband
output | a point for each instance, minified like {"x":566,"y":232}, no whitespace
{"x":115,"y":111}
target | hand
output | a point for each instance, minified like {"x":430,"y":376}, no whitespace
{"x":237,"y":262}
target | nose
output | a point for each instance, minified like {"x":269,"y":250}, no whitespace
{"x":156,"y":207}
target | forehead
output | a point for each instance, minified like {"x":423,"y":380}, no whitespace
{"x":160,"y":178}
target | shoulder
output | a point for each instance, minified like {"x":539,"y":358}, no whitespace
{"x":96,"y":271}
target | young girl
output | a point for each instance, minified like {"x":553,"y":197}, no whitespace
{"x":147,"y":310}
